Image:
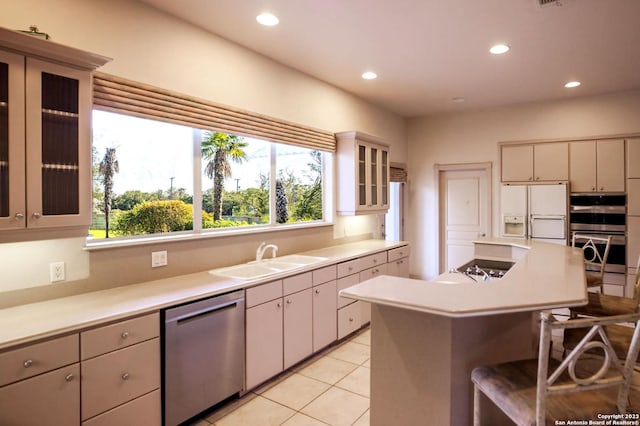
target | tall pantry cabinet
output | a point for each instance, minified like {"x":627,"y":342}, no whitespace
{"x":45,"y":133}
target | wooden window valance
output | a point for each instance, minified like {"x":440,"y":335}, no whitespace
{"x":397,"y":174}
{"x":116,"y":94}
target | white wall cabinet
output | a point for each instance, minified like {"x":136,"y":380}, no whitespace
{"x":633,"y":158}
{"x":597,"y":166}
{"x":535,"y":162}
{"x":363,"y":174}
{"x":45,"y":139}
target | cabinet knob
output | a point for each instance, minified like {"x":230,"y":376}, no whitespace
{"x":28,"y":363}
{"x":36,"y":215}
{"x":350,"y":268}
{"x":279,"y":305}
{"x":317,"y":291}
{"x":124,"y":334}
{"x":19,"y":216}
{"x":601,"y":188}
{"x":125,"y":376}
{"x":350,"y":319}
{"x":288,"y":301}
{"x":593,"y":188}
{"x":69,"y":377}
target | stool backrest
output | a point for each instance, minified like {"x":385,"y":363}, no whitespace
{"x":595,"y":249}
{"x":612,"y":372}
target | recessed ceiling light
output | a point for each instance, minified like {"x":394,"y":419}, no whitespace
{"x":267,"y":19}
{"x":499,"y":49}
{"x":369,"y":75}
{"x":572,"y":84}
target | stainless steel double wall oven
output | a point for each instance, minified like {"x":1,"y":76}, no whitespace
{"x":602,"y":214}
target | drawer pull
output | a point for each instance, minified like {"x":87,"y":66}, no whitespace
{"x":350,"y":268}
{"x":69,"y":377}
{"x":350,"y":319}
{"x":125,"y":376}
{"x":375,"y":261}
{"x":124,"y":334}
{"x":28,"y":363}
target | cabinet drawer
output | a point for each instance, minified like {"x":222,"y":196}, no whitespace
{"x":117,"y":377}
{"x":263,"y":293}
{"x":372,"y":260}
{"x":52,"y":398}
{"x":119,"y":335}
{"x":143,"y":411}
{"x":324,"y":275}
{"x":38,"y":358}
{"x":347,"y":268}
{"x":397,"y":253}
{"x":343,"y":283}
{"x":296,"y":283}
{"x":348,"y":319}
{"x":373,"y":272}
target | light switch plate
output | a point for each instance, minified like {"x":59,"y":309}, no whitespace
{"x":158,"y":258}
{"x":56,"y":272}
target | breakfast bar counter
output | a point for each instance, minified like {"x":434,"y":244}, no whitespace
{"x":427,"y":336}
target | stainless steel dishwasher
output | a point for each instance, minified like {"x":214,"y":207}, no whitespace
{"x":203,"y":355}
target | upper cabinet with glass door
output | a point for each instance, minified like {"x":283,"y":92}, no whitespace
{"x":45,"y":139}
{"x":363,"y":174}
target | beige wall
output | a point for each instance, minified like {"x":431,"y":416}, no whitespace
{"x":474,"y":137}
{"x":157,"y":49}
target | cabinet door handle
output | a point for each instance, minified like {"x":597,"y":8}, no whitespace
{"x":125,"y":376}
{"x":19,"y":216}
{"x":124,"y":334}
{"x":36,"y":215}
{"x":28,"y":363}
{"x":69,"y":377}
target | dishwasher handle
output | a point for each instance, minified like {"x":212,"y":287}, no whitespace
{"x":204,"y":311}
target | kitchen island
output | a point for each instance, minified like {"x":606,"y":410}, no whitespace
{"x":427,"y":336}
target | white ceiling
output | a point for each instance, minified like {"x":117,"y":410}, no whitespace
{"x":427,"y":52}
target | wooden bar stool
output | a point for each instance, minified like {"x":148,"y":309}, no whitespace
{"x":575,"y":389}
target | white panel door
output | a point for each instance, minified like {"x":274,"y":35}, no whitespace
{"x":465,"y":214}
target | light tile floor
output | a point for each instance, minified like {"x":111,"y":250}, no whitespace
{"x":330,"y":388}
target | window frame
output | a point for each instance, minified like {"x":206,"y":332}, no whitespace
{"x":198,"y":232}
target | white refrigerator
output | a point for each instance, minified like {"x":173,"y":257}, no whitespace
{"x":536,"y":211}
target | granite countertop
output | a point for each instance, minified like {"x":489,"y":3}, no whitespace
{"x":547,"y":276}
{"x":27,"y":323}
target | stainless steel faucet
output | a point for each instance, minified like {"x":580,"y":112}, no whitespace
{"x":263,"y":247}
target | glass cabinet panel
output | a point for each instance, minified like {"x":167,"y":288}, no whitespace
{"x":362,"y":171}
{"x":385,"y":178}
{"x":59,"y":145}
{"x":4,"y":139}
{"x":374,"y":176}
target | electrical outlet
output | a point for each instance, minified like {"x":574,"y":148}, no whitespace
{"x":158,"y":258}
{"x":56,"y":272}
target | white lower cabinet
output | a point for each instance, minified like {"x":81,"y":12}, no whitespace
{"x":143,"y":411}
{"x":298,"y":326}
{"x":324,"y":315}
{"x":264,"y":341}
{"x":121,"y":364}
{"x":349,"y":319}
{"x":51,"y":398}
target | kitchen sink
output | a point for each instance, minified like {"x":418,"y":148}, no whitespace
{"x":265,"y":267}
